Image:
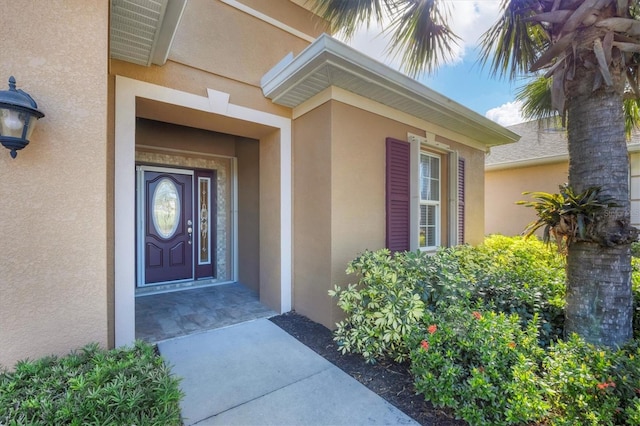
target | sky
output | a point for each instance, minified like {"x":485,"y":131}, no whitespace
{"x":463,"y":79}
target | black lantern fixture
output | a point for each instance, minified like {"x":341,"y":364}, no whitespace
{"x":18,"y":116}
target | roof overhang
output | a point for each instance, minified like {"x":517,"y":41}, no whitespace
{"x":142,"y":30}
{"x":328,"y":62}
{"x":527,"y":162}
{"x":544,"y":160}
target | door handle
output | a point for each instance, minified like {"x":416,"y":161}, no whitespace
{"x":189,"y":229}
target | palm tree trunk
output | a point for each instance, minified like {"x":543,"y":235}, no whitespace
{"x":599,"y":298}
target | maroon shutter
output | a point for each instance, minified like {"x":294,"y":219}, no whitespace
{"x":398,"y":194}
{"x":460,"y":200}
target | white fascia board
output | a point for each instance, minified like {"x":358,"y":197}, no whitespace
{"x":276,"y":70}
{"x":327,"y":51}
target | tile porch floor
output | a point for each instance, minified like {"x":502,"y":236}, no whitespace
{"x":167,"y":315}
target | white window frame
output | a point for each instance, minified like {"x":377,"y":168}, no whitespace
{"x":436,"y":203}
{"x":421,"y":144}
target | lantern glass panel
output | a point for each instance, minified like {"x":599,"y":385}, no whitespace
{"x":12,"y":122}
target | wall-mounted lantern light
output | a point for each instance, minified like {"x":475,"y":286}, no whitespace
{"x":18,"y":116}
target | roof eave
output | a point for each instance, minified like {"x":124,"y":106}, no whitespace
{"x":144,"y":39}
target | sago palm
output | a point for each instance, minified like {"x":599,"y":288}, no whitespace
{"x":590,"y":51}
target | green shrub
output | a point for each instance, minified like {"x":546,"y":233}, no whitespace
{"x":510,"y":275}
{"x":381,"y":309}
{"x":592,"y":385}
{"x":483,"y":365}
{"x":489,"y":367}
{"x":129,"y":386}
{"x":635,"y":285}
{"x":525,"y":277}
{"x":507,"y":274}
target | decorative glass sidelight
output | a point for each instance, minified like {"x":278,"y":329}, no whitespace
{"x":204,"y":216}
{"x":166,"y":208}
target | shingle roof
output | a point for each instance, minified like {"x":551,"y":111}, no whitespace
{"x":542,"y":141}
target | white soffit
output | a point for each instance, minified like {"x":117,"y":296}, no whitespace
{"x":142,"y":30}
{"x":329,"y":62}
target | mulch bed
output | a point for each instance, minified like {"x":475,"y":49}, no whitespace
{"x":392,"y":381}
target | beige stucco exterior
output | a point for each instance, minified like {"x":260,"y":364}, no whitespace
{"x":538,"y":162}
{"x":304,"y":186}
{"x":339,"y":197}
{"x":53,"y":213}
{"x":504,"y":187}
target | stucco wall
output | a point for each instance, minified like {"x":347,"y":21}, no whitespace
{"x":358,"y":184}
{"x":171,"y":136}
{"x":53,"y":213}
{"x":270,"y":221}
{"x":222,"y":48}
{"x":339,"y":204}
{"x":290,"y":14}
{"x":248,"y":153}
{"x":475,"y":200}
{"x":503,"y":188}
{"x":312,"y":215}
{"x":211,"y":38}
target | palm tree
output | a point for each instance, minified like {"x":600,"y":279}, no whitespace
{"x":590,"y":51}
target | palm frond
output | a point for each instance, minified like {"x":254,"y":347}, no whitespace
{"x":347,"y":16}
{"x":420,"y":32}
{"x":536,"y":98}
{"x":631,"y":115}
{"x":514,"y":42}
{"x":536,"y":103}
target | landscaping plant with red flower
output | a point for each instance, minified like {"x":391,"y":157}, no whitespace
{"x":477,"y":315}
{"x":432,"y":329}
{"x":605,"y":385}
{"x":424,"y":345}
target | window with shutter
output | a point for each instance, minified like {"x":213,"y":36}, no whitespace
{"x":398,"y":195}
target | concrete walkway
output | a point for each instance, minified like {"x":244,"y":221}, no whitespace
{"x":255,"y":373}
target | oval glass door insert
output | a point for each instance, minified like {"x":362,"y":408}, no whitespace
{"x":166,"y":208}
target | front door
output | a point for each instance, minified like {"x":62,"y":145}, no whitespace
{"x":168,"y":226}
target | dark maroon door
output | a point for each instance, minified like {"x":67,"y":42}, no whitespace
{"x":168,"y":245}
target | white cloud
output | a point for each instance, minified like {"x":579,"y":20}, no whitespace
{"x":468,"y":19}
{"x":506,"y":114}
{"x":471,"y":19}
{"x":373,"y":42}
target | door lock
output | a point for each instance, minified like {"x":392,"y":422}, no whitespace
{"x":189,"y":229}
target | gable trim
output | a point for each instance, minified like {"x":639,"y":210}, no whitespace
{"x":268,"y":19}
{"x":329,"y":62}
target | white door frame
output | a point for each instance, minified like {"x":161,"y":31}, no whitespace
{"x":127,"y":90}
